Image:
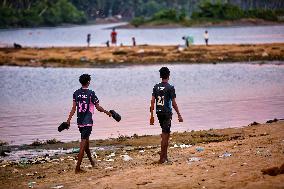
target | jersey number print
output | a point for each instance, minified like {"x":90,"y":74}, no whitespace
{"x":160,"y":101}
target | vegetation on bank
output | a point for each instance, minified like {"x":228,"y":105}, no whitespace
{"x":33,"y":13}
{"x":38,"y":13}
{"x":207,"y":12}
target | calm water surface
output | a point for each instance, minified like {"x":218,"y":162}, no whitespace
{"x":34,"y":101}
{"x":76,"y":35}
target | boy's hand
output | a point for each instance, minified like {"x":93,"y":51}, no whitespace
{"x":180,"y":118}
{"x":68,"y":122}
{"x":152,"y":120}
{"x":108,"y":113}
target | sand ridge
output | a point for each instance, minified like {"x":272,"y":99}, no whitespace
{"x":113,"y":56}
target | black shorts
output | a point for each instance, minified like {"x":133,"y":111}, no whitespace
{"x":165,"y":121}
{"x":85,"y":132}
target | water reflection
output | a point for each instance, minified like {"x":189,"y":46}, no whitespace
{"x":35,"y":100}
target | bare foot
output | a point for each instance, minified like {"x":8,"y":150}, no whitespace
{"x":78,"y":171}
{"x":93,"y":164}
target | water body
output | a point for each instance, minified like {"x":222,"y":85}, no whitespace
{"x":34,"y":101}
{"x":77,"y":35}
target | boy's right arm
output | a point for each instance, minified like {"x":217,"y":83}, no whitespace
{"x":72,"y":112}
{"x":152,"y":110}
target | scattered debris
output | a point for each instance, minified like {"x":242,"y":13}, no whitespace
{"x":31,"y":174}
{"x":263,"y":152}
{"x":40,"y":177}
{"x":88,"y":166}
{"x":111,"y":155}
{"x":264,"y":54}
{"x":185,"y":146}
{"x":181,"y":146}
{"x":180,"y":48}
{"x":226,"y":154}
{"x":83,"y":59}
{"x":75,"y":150}
{"x":126,"y":157}
{"x":109,"y":160}
{"x":15,"y":171}
{"x":144,"y":183}
{"x":140,"y":51}
{"x":57,"y":187}
{"x":31,"y":184}
{"x":194,"y":159}
{"x":199,"y":149}
{"x":108,"y":168}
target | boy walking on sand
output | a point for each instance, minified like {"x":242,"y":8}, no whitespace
{"x":165,"y":97}
{"x":85,"y":100}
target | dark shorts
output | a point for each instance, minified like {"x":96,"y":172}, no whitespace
{"x":165,"y":121}
{"x":85,"y":132}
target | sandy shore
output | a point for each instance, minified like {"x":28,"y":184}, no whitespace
{"x":249,"y":150}
{"x":103,"y":56}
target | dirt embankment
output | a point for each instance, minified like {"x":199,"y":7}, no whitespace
{"x":103,"y":56}
{"x":225,"y":158}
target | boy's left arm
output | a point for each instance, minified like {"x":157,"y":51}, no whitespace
{"x":101,"y":109}
{"x":175,"y":106}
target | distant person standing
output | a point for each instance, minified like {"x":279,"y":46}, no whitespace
{"x":206,"y":37}
{"x":133,"y":41}
{"x":88,"y":39}
{"x":107,"y":43}
{"x":113,"y":36}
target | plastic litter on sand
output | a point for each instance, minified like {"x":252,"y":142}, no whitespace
{"x":226,"y":154}
{"x":126,"y":157}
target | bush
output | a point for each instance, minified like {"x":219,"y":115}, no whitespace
{"x":137,"y":21}
{"x":230,"y":12}
{"x":218,"y":11}
{"x":30,"y":17}
{"x":166,"y":14}
{"x":261,"y":13}
{"x":37,"y":142}
{"x":53,"y":141}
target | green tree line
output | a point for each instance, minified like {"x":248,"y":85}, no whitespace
{"x":22,"y":13}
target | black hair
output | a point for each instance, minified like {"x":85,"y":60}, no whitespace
{"x":164,"y":73}
{"x":84,"y":79}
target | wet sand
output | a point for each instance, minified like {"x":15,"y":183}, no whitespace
{"x":113,"y":56}
{"x":249,"y":150}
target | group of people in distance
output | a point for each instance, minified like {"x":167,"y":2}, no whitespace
{"x":189,"y":39}
{"x":113,"y":36}
{"x":85,"y":101}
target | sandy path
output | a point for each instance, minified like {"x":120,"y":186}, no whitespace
{"x":252,"y":149}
